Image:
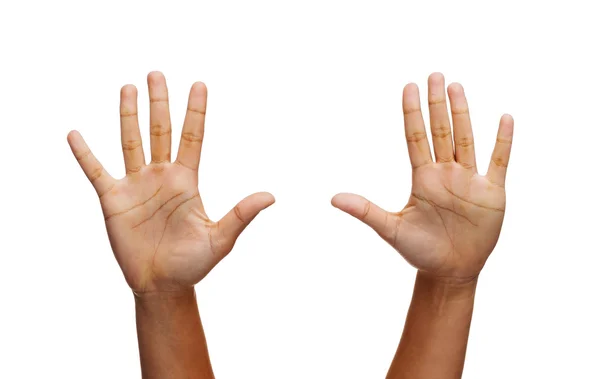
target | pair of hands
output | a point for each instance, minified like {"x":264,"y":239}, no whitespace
{"x":163,"y":240}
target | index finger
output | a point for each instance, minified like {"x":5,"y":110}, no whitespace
{"x":192,"y":134}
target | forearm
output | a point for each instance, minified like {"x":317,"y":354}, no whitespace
{"x":434,"y":341}
{"x":170,"y":335}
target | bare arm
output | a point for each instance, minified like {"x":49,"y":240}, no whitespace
{"x":170,"y":336}
{"x":158,"y":229}
{"x":447,"y":230}
{"x":434,"y":342}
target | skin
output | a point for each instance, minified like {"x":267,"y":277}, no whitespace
{"x":158,"y":229}
{"x":447,"y":230}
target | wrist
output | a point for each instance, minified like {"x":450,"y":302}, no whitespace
{"x":165,"y":299}
{"x":451,"y":280}
{"x":447,"y":287}
{"x":163,"y":294}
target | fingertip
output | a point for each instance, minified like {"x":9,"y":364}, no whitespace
{"x":411,"y":88}
{"x":507,"y":119}
{"x":436,"y":78}
{"x":362,"y":209}
{"x":78,"y":146}
{"x":72,"y":134}
{"x":128,"y":90}
{"x":411,"y":98}
{"x":333,"y":200}
{"x":266,"y":199}
{"x":155,"y":77}
{"x":337,"y":199}
{"x":343,"y":200}
{"x":74,"y":138}
{"x":455,"y":89}
{"x":506,"y":128}
{"x":198,"y":88}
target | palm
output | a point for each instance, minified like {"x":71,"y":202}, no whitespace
{"x":157,"y":227}
{"x":453,"y":218}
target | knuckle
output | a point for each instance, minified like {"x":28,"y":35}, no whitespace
{"x":199,"y":111}
{"x":416,"y":136}
{"x":83,"y":155}
{"x":366,"y":210}
{"x":444,"y":159}
{"x":465,"y":142}
{"x":238,"y":213}
{"x":159,"y":100}
{"x":437,"y":101}
{"x":440,"y":130}
{"x":460,"y":111}
{"x":466,"y":165}
{"x":158,"y":164}
{"x":159,"y":130}
{"x":191,"y":138}
{"x":417,"y":166}
{"x":495,"y":184}
{"x":498,"y":161}
{"x":96,"y":174}
{"x":408,"y":111}
{"x":107,"y":191}
{"x":180,"y":163}
{"x":131,"y":145}
{"x":133,"y":170}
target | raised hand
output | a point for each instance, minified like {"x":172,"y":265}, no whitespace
{"x":454,"y":215}
{"x":156,"y":223}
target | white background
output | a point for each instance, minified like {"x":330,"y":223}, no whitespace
{"x":304,"y":101}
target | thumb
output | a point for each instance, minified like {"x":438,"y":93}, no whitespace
{"x":364,"y":210}
{"x":234,"y":222}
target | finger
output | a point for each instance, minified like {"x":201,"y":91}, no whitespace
{"x":414,"y":127}
{"x":497,"y":169}
{"x":234,"y":222}
{"x":364,"y":210}
{"x":131,"y":140}
{"x":463,"y":133}
{"x":441,"y":132}
{"x":192,"y":134}
{"x":94,"y":171}
{"x":160,"y":118}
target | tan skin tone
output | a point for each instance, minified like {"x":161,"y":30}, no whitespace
{"x":158,"y":229}
{"x":447,"y":230}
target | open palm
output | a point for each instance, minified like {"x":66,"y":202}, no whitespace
{"x":156,"y":223}
{"x":454,"y":215}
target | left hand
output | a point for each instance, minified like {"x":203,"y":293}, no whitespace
{"x":453,"y":217}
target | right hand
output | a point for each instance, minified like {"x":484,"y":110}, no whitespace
{"x":156,"y":223}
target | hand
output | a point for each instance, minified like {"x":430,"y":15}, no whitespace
{"x":454,"y":215}
{"x":155,"y":219}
